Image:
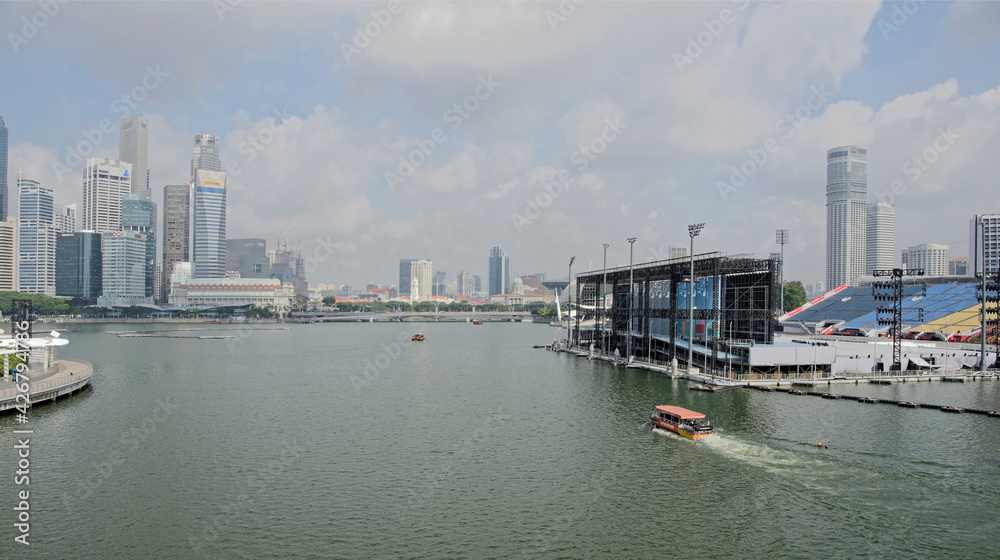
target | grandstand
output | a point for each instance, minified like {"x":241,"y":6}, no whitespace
{"x":947,"y":309}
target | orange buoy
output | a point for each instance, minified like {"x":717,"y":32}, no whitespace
{"x":819,"y":444}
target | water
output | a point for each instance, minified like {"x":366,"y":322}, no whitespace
{"x":473,"y":445}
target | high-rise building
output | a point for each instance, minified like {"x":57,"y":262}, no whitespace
{"x":139,"y":216}
{"x":405,"y":268}
{"x":8,"y":255}
{"x":79,"y":265}
{"x":846,"y":214}
{"x":123,"y":269}
{"x":991,"y":226}
{"x":206,"y":154}
{"x":479,"y":282}
{"x":64,"y":218}
{"x":4,"y":139}
{"x":209,"y":240}
{"x":105,"y":181}
{"x":499,"y":272}
{"x":133,"y":147}
{"x":248,"y":257}
{"x":421,"y":274}
{"x":931,"y":257}
{"x":880,"y":253}
{"x":440,"y":283}
{"x":958,"y":266}
{"x":466,"y":284}
{"x":176,"y":231}
{"x":36,"y":237}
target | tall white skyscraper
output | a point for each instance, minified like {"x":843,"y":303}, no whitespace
{"x":991,"y":224}
{"x":133,"y":147}
{"x":3,"y":170}
{"x":105,"y":181}
{"x":846,"y":214}
{"x":881,"y":237}
{"x":64,"y":218}
{"x":931,"y":257}
{"x":206,"y":154}
{"x":209,"y":217}
{"x":123,"y":263}
{"x":36,"y":237}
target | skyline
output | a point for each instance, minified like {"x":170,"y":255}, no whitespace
{"x":429,"y":136}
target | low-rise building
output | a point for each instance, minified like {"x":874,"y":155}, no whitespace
{"x":234,"y":292}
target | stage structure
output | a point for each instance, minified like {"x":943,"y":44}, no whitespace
{"x":735,"y":306}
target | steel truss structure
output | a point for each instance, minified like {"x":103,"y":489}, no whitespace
{"x":743,"y":291}
{"x":892,"y":315}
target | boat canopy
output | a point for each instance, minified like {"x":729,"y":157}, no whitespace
{"x":682,"y":413}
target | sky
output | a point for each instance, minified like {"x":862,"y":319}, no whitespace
{"x":363,"y":133}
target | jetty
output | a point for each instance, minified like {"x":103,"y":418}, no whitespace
{"x":47,"y":379}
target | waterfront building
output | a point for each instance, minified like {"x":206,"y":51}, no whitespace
{"x":8,"y":255}
{"x":36,"y":237}
{"x":133,"y":147}
{"x":123,"y":269}
{"x":206,"y":154}
{"x":234,"y":292}
{"x":440,"y":282}
{"x":466,"y":283}
{"x":499,"y":278}
{"x":992,"y":243}
{"x":846,"y":214}
{"x":880,"y":252}
{"x":139,"y":216}
{"x":176,"y":230}
{"x":248,"y":257}
{"x":3,"y":170}
{"x":208,"y":243}
{"x":415,"y":272}
{"x":179,"y":274}
{"x":105,"y":181}
{"x":931,"y":257}
{"x":958,"y":266}
{"x":79,"y":266}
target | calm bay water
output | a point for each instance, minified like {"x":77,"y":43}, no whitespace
{"x":471,"y":444}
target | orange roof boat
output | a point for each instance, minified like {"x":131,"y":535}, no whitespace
{"x":681,"y":421}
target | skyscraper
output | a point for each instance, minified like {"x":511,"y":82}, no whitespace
{"x":499,"y":280}
{"x":991,"y":224}
{"x":881,"y":237}
{"x":248,"y":257}
{"x":105,"y":181}
{"x":123,"y":277}
{"x":176,"y":231}
{"x":139,"y":216}
{"x":931,"y":257}
{"x":846,"y":214}
{"x":440,"y":282}
{"x":206,"y":154}
{"x":209,"y":240}
{"x":8,"y":254}
{"x":466,"y":284}
{"x":3,"y":170}
{"x":133,"y":147}
{"x":36,"y":237}
{"x":64,"y":218}
{"x":79,"y":265}
{"x":405,"y":270}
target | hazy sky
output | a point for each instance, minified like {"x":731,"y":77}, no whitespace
{"x":545,"y":128}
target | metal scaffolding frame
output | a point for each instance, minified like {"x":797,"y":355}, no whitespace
{"x":744,"y":296}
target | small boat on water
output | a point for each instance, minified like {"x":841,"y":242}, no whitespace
{"x":419,"y":337}
{"x":477,"y":322}
{"x":681,"y":421}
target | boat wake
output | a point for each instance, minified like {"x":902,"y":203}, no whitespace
{"x":763,"y":456}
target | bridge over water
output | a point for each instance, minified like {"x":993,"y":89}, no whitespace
{"x":455,"y":316}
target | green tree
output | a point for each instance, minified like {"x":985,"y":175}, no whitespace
{"x":795,"y":295}
{"x":330,"y":300}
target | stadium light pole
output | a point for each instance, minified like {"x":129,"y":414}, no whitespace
{"x":781,"y":238}
{"x":693,"y":231}
{"x":631,"y":303}
{"x":569,"y":304}
{"x":604,"y":297}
